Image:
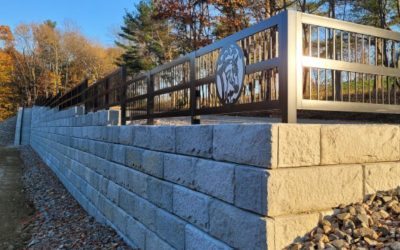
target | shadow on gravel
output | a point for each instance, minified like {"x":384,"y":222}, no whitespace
{"x":15,"y":210}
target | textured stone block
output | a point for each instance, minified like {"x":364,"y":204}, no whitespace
{"x":246,"y":144}
{"x":179,"y":169}
{"x":194,"y":140}
{"x":153,"y":163}
{"x":313,"y":188}
{"x":141,"y":134}
{"x":126,"y":135}
{"x":120,"y":219}
{"x":118,"y":153}
{"x":127,"y":201}
{"x":153,"y":242}
{"x":160,"y":193}
{"x":292,"y":228}
{"x":381,"y":177}
{"x":237,"y":228}
{"x":215,"y":178}
{"x":133,"y":157}
{"x":136,"y":232}
{"x":146,"y":213}
{"x":113,"y":134}
{"x":137,"y":182}
{"x":170,"y":228}
{"x":106,"y":207}
{"x":121,"y":175}
{"x":299,"y":145}
{"x":162,"y":138}
{"x":191,"y":206}
{"x":198,"y":240}
{"x":113,"y":192}
{"x":251,"y":189}
{"x":359,"y":143}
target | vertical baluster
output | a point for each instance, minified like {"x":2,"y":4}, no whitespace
{"x":348,"y":86}
{"x":333,"y":44}
{"x":326,"y":43}
{"x":318,"y":41}
{"x":363,"y":87}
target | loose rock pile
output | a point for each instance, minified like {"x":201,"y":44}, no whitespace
{"x":59,"y":221}
{"x":373,"y":224}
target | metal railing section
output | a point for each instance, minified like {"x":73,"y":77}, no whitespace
{"x":291,"y":61}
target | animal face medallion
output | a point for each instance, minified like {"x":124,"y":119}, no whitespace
{"x":230,"y":73}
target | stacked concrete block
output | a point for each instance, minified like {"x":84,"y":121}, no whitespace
{"x":242,"y":186}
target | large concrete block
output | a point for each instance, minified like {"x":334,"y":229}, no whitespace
{"x":127,"y":201}
{"x":191,"y":206}
{"x":113,"y":134}
{"x":292,"y":228}
{"x":162,"y":138}
{"x":137,"y":182}
{"x":113,"y":192}
{"x":195,"y":239}
{"x":126,"y":135}
{"x":160,"y":193}
{"x":237,"y":228}
{"x":136,"y":232}
{"x":246,"y":144}
{"x":381,"y":176}
{"x":313,"y":188}
{"x":170,"y":228}
{"x":299,"y":145}
{"x":146,"y":213}
{"x":133,"y":157}
{"x":106,"y":207}
{"x":120,"y":219}
{"x":142,"y":134}
{"x":194,"y":140}
{"x":179,"y":169}
{"x":359,"y":143}
{"x":153,"y":163}
{"x":121,"y":175}
{"x":251,"y":189}
{"x":118,"y":153}
{"x":215,"y":179}
{"x":153,"y":242}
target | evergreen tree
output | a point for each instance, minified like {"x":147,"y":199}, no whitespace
{"x":146,"y":40}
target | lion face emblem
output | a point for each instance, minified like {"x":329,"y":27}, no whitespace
{"x":230,"y":73}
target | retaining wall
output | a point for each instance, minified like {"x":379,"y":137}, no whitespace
{"x":243,"y":186}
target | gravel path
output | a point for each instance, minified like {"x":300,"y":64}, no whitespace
{"x":60,"y":223}
{"x":14,"y":209}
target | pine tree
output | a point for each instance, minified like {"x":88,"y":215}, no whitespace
{"x":146,"y":40}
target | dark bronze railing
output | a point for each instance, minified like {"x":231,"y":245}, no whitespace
{"x":289,"y":62}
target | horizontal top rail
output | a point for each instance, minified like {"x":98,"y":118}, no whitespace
{"x":348,"y":26}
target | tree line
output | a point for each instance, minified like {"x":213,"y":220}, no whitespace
{"x":42,"y":59}
{"x":159,"y":31}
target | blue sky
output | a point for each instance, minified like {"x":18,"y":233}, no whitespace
{"x":95,"y":18}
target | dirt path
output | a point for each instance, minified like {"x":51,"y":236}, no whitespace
{"x":13,"y":206}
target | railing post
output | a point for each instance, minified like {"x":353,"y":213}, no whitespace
{"x":289,"y":64}
{"x":195,"y":119}
{"x":123,"y":95}
{"x":150,"y":98}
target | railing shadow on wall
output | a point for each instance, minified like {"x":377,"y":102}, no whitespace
{"x":292,"y":61}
